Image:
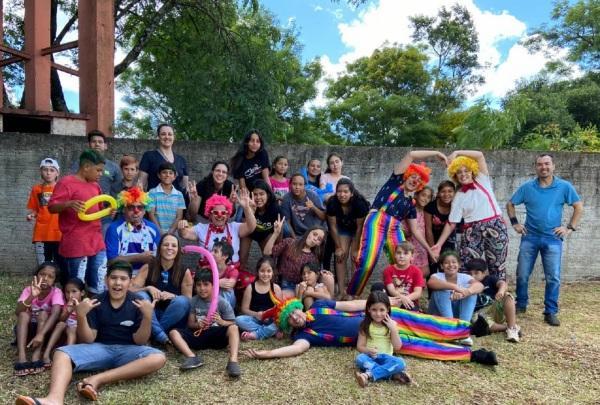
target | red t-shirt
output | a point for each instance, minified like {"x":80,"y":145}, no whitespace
{"x":406,"y":279}
{"x":79,"y":238}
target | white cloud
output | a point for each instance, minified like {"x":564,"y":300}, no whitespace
{"x":388,"y":21}
{"x":317,"y":8}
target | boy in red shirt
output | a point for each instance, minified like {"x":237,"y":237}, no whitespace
{"x":402,"y":279}
{"x":81,"y":239}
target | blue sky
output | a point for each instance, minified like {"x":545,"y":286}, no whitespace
{"x":339,"y":33}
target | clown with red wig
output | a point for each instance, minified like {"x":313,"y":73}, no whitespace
{"x":383,"y":225}
{"x":219,"y":210}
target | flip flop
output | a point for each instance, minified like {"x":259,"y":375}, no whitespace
{"x":48,"y":365}
{"x":87,"y":391}
{"x":22,"y":369}
{"x":24,"y":400}
{"x":37,"y":367}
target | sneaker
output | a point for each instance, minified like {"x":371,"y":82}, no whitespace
{"x":551,"y":319}
{"x":403,"y":378}
{"x":512,"y":334}
{"x":480,"y":327}
{"x":483,"y":356}
{"x":190,"y":363}
{"x":465,"y":342}
{"x":233,"y":369}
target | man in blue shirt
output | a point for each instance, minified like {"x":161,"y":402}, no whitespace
{"x":543,"y":233}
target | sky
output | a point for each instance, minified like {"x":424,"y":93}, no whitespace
{"x":338,"y":34}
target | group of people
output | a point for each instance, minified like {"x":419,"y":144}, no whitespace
{"x":124,"y":283}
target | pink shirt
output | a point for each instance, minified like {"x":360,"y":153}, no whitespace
{"x":54,"y":297}
{"x":79,"y":238}
{"x":280,"y":188}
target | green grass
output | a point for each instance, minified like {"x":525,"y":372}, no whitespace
{"x":550,"y":365}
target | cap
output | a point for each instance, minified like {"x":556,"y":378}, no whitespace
{"x":49,"y":162}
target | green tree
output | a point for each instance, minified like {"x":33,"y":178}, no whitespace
{"x":381,"y":99}
{"x":452,"y":38}
{"x":211,"y":88}
{"x":575,"y":26}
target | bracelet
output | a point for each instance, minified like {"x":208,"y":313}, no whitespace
{"x":26,"y":306}
{"x":514,"y":221}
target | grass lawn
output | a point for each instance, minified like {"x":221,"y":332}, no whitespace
{"x":550,"y":365}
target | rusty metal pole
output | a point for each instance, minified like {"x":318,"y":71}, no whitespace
{"x":96,"y":63}
{"x":37,"y":69}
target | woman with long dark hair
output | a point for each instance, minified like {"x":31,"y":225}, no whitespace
{"x":215,"y":182}
{"x":251,"y":161}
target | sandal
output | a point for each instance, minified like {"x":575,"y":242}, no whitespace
{"x":247,"y":336}
{"x":87,"y":391}
{"x":37,"y":367}
{"x":24,"y":400}
{"x":48,"y":364}
{"x":22,"y":369}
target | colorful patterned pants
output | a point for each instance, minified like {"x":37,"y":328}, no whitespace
{"x":379,"y":230}
{"x":487,"y":240}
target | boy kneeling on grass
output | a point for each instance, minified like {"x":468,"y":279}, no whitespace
{"x":113,"y":329}
{"x":495,"y":302}
{"x":222,"y":331}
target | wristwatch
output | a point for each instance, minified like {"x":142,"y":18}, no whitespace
{"x":571,"y":227}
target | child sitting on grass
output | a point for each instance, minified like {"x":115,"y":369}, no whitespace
{"x":257,"y":300}
{"x":38,"y":309}
{"x":74,"y":292}
{"x":404,"y":280}
{"x":309,"y":288}
{"x":217,"y":334}
{"x":378,"y":339}
{"x":228,"y":273}
{"x":495,"y":301}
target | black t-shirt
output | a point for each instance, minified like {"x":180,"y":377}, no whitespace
{"x":115,"y":326}
{"x":251,"y":169}
{"x":152,"y":159}
{"x":205,"y":191}
{"x":346,"y":222}
{"x":490,"y":286}
{"x":438,"y":220}
{"x":265,"y":222}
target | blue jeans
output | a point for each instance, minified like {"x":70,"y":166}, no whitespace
{"x":174,"y":316}
{"x":550,"y":249}
{"x":440,"y":304}
{"x":229,"y":296}
{"x":249,"y":323}
{"x":94,"y":273}
{"x":383,"y":366}
{"x":98,"y":356}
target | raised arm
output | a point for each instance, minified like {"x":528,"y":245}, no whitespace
{"x":277,"y":228}
{"x":473,"y":154}
{"x":411,"y":156}
{"x":246,"y":201}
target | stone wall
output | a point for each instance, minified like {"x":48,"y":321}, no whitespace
{"x":369,"y":167}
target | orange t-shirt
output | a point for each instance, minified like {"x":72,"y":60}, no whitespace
{"x":46,"y":225}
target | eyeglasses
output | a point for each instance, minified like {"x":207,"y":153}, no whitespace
{"x":135,"y":207}
{"x":218,"y":213}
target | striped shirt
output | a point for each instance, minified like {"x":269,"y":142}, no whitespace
{"x":166,"y":205}
{"x":123,"y":239}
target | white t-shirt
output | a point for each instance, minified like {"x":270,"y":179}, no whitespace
{"x":462,"y":280}
{"x":475,"y":205}
{"x":234,"y":236}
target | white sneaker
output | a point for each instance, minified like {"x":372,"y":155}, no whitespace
{"x":512,"y":334}
{"x":465,"y":342}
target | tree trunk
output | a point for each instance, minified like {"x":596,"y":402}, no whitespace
{"x":56,"y":92}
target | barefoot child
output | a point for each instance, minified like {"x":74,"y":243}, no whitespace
{"x":310,"y":289}
{"x":74,"y":292}
{"x":220,"y":333}
{"x":46,"y":233}
{"x":378,"y":339}
{"x":404,"y":280}
{"x":38,"y":309}
{"x":256,"y":300}
{"x":495,"y":301}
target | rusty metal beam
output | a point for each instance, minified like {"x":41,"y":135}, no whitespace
{"x":10,"y":61}
{"x":14,"y":52}
{"x":60,"y":48}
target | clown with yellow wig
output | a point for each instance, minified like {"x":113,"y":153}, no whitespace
{"x":132,"y":238}
{"x":393,"y":204}
{"x":485,"y":235}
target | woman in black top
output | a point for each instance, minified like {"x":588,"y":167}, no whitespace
{"x":215,"y":182}
{"x":436,"y":216}
{"x":256,"y":300}
{"x":166,"y":281}
{"x":251,"y":161}
{"x":346,"y":212}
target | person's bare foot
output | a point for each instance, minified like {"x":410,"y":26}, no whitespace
{"x":362,"y":379}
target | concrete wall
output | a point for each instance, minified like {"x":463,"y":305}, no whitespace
{"x":368,"y":167}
